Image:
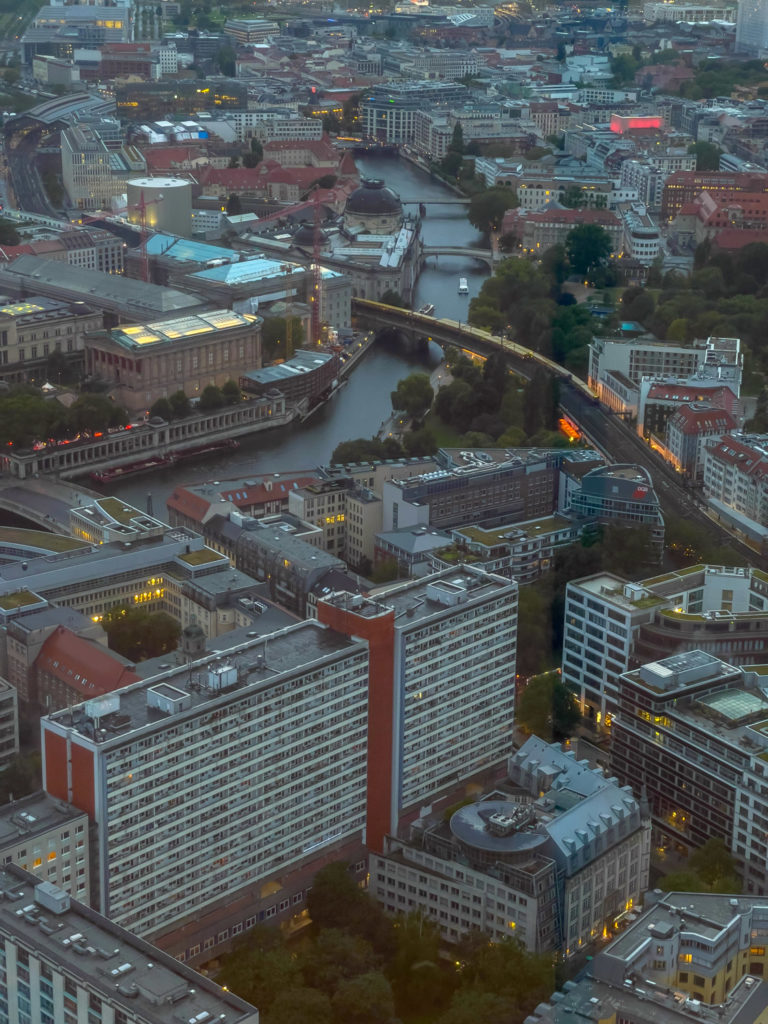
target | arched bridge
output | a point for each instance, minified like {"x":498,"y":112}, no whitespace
{"x":464,"y":336}
{"x":485,"y":255}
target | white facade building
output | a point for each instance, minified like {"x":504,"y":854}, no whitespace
{"x":265,"y":756}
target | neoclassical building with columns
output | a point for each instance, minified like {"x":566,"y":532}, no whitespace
{"x":145,"y":362}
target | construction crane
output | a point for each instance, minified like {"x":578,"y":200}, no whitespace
{"x":317,"y":277}
{"x":141,"y":207}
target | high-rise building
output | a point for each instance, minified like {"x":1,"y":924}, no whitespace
{"x":752,"y":27}
{"x":443,"y":653}
{"x":217,"y":789}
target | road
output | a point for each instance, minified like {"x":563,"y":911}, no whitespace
{"x":622,"y":444}
{"x":27,"y":184}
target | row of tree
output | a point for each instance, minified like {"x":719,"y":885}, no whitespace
{"x":27,"y":417}
{"x":358,"y":966}
{"x":178,"y":405}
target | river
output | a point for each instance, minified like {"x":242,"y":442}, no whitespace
{"x":363,"y":404}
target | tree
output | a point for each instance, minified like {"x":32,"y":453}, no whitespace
{"x":366,"y":999}
{"x":505,"y":969}
{"x":707,"y":155}
{"x":487,"y":209}
{"x":180,"y":404}
{"x":20,"y":777}
{"x":365,"y":450}
{"x":574,"y":197}
{"x":93,"y":412}
{"x":548,"y":708}
{"x":139,"y":633}
{"x":250,"y":160}
{"x":334,"y":956}
{"x":231,"y":392}
{"x":420,"y":443}
{"x":211,"y":398}
{"x":8,"y":233}
{"x":414,"y":970}
{"x":259,"y":974}
{"x":392,"y":298}
{"x":257,"y":149}
{"x":234,"y":206}
{"x":471,"y":1006}
{"x":163,"y":409}
{"x":413,"y":395}
{"x":457,"y":139}
{"x":300,"y":1006}
{"x":588,"y":247}
{"x":225,"y":58}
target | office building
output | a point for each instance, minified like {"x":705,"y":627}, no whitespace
{"x":92,"y":173}
{"x":62,"y":963}
{"x":611,"y":625}
{"x":552,"y":858}
{"x":693,"y":731}
{"x":688,"y":432}
{"x":143,"y":362}
{"x":752,"y":28}
{"x":49,"y":839}
{"x":688,"y":958}
{"x":358,"y":722}
{"x":389,"y":113}
{"x":621,"y":495}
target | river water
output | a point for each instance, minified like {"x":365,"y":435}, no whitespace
{"x":363,"y":404}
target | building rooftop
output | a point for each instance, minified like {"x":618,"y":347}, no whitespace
{"x":32,"y":816}
{"x":250,"y":666}
{"x":109,"y":960}
{"x":164,"y":332}
{"x":112,"y":291}
{"x":303,"y":361}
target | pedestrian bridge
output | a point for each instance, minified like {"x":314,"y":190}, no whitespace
{"x":487,"y":256}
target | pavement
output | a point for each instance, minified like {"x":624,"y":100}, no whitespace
{"x":46,"y":502}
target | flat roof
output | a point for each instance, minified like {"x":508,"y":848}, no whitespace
{"x":164,"y":332}
{"x":256,"y":664}
{"x":110,"y":291}
{"x":33,"y":816}
{"x":123,"y":969}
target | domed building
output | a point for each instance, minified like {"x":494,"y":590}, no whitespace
{"x":374,"y":209}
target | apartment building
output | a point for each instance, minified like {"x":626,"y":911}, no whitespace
{"x":357,"y":722}
{"x":682,"y":187}
{"x":688,"y":431}
{"x":198,"y":750}
{"x":551,"y":858}
{"x":688,"y":958}
{"x":537,"y":231}
{"x":62,"y":963}
{"x":735,"y":477}
{"x":49,"y":839}
{"x":9,"y":723}
{"x":693,"y":731}
{"x":642,"y":237}
{"x":443,"y":653}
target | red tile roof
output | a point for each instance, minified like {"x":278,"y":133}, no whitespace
{"x":87,"y":668}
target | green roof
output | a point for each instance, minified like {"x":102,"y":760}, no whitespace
{"x":39,"y":539}
{"x":118,"y":510}
{"x":18,"y":600}
{"x":201,"y":556}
